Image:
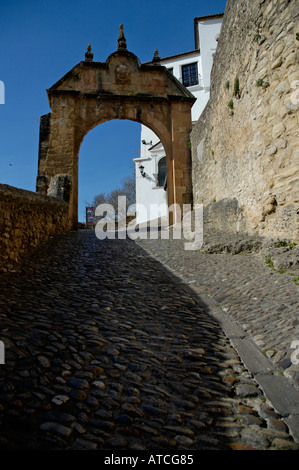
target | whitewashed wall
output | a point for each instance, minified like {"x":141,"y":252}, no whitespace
{"x":208,"y":33}
{"x":147,"y":192}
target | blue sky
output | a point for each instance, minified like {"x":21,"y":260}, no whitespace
{"x":42,"y":40}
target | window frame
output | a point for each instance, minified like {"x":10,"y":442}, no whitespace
{"x":162,"y":161}
{"x":192,"y":76}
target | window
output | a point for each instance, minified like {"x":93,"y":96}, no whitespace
{"x":190,"y":74}
{"x":161,"y":171}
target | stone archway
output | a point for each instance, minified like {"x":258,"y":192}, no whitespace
{"x":120,"y":88}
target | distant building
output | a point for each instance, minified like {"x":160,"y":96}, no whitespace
{"x":193,"y":70}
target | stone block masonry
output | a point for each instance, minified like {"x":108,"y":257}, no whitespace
{"x":245,"y":146}
{"x":27,"y":220}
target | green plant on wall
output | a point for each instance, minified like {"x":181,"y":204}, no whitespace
{"x":269,"y":262}
{"x":257,"y":37}
{"x":261,"y":83}
{"x":237,"y":88}
{"x":236,"y":94}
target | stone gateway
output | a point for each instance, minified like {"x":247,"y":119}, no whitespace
{"x":120,"y":88}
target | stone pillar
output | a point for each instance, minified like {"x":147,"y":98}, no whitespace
{"x":56,"y":150}
{"x":44,"y":138}
{"x":180,"y":170}
{"x":60,"y":187}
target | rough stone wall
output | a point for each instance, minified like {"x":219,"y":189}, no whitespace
{"x":245,"y":146}
{"x":27,"y":220}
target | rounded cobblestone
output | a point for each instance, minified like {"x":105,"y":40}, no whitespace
{"x":106,"y":351}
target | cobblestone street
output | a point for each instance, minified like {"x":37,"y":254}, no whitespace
{"x":105,"y":348}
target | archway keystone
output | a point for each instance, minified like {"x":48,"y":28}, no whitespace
{"x":120,"y":88}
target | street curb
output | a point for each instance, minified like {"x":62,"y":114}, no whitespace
{"x":283,"y":397}
{"x":278,"y":390}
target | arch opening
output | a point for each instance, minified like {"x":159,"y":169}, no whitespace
{"x":150,"y":195}
{"x":112,"y":157}
{"x":106,"y":164}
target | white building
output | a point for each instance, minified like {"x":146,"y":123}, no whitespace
{"x":193,"y":69}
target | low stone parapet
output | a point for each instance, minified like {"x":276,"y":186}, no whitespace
{"x":27,"y":220}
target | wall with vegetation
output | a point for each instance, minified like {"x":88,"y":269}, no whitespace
{"x":245,"y":146}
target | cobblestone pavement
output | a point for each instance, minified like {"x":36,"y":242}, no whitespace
{"x":264,"y":302}
{"x":104,"y":349}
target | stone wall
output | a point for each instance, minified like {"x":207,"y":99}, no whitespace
{"x":27,"y":220}
{"x":245,"y":146}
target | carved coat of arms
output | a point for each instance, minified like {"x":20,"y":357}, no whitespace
{"x":122,"y":74}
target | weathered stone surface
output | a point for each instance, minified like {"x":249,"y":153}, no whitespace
{"x":245,"y":144}
{"x":56,"y":428}
{"x":60,"y":187}
{"x":27,"y":220}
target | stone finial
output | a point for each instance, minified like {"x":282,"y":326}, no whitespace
{"x":122,"y":45}
{"x":156,"y":58}
{"x":88,"y":54}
